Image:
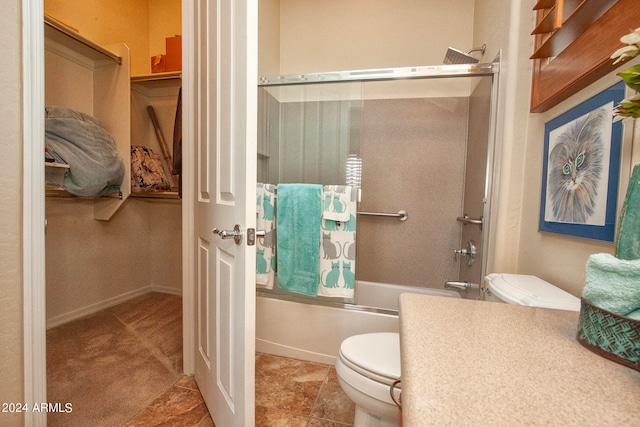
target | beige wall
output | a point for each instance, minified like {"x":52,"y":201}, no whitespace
{"x":517,"y":246}
{"x":500,"y":25}
{"x":165,"y":20}
{"x":332,"y":35}
{"x":142,"y":24}
{"x":93,"y":263}
{"x":269,"y":37}
{"x":556,"y":258}
{"x":11,"y":343}
{"x":506,"y":26}
{"x":413,"y":158}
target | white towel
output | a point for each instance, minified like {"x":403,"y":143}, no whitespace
{"x":338,"y":254}
{"x":266,"y":246}
{"x":336,"y":202}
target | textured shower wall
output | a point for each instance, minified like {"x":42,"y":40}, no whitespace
{"x":413,"y":156}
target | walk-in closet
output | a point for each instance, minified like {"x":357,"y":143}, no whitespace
{"x":108,"y":66}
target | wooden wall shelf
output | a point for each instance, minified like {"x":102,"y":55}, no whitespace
{"x":570,"y":58}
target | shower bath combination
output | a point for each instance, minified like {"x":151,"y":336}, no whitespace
{"x":455,"y":56}
{"x":314,"y":125}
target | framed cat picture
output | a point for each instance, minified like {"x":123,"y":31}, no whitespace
{"x":580,"y":170}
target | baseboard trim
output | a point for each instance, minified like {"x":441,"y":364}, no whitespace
{"x":264,"y":346}
{"x":99,"y":306}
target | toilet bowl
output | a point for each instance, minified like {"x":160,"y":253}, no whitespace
{"x":367,"y":366}
{"x":529,"y":290}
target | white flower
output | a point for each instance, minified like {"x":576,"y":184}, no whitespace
{"x":624,"y":53}
{"x":632,"y":38}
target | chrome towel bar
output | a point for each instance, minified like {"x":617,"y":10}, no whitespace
{"x":466,"y":220}
{"x":401,"y":215}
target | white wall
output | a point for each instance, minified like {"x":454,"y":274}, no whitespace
{"x":11,"y":342}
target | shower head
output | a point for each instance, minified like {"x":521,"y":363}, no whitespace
{"x":455,"y":56}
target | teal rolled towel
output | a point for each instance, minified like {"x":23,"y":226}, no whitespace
{"x":628,"y":238}
{"x":634,"y":314}
{"x":613,"y":284}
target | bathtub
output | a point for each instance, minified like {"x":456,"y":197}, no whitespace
{"x":314,"y":332}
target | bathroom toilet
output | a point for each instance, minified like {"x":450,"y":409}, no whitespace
{"x":529,"y":290}
{"x":367,"y":366}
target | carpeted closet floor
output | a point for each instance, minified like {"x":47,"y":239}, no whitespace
{"x":123,"y":367}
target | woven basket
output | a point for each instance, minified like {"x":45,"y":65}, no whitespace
{"x":610,"y":335}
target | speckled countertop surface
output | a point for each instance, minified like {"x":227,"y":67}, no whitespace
{"x":477,"y":363}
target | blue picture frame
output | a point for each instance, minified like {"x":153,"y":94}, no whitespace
{"x":579,"y":193}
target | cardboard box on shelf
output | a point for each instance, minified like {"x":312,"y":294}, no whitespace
{"x":173,"y":59}
{"x":158,"y":64}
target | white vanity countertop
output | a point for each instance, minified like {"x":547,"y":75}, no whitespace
{"x":475,"y":363}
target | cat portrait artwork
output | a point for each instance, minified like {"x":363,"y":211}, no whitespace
{"x":581,"y":167}
{"x":578,"y":167}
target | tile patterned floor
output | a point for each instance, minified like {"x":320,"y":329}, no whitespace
{"x":123,"y":367}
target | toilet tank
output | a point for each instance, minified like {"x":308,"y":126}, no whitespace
{"x":529,"y":290}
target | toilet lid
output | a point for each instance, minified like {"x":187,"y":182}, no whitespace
{"x":531,"y":291}
{"x":375,"y":355}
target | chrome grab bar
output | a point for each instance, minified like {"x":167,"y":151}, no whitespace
{"x":466,"y":220}
{"x":401,"y":215}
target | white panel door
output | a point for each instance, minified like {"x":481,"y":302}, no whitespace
{"x":220,"y":85}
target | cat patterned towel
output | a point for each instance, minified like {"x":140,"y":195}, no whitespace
{"x":266,"y":246}
{"x":338,"y":253}
{"x":336,"y":202}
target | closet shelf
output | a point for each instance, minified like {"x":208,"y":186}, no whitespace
{"x":158,"y":79}
{"x":60,"y":33}
{"x":172,"y":195}
{"x":53,"y":190}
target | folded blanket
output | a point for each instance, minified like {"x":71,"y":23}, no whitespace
{"x":298,"y":243}
{"x":613,"y":284}
{"x":76,"y":139}
{"x":628,"y":238}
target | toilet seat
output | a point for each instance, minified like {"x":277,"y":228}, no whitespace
{"x":531,"y":291}
{"x":375,"y":356}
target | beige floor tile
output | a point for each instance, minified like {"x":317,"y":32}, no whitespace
{"x":123,"y":367}
{"x":288,"y":384}
{"x":332,"y":403}
{"x":178,"y":406}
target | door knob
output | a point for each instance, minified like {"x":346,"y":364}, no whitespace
{"x":236,"y":234}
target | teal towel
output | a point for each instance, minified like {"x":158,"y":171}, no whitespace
{"x":298,"y":243}
{"x":628,"y":239}
{"x":634,"y":314}
{"x":613,"y":284}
